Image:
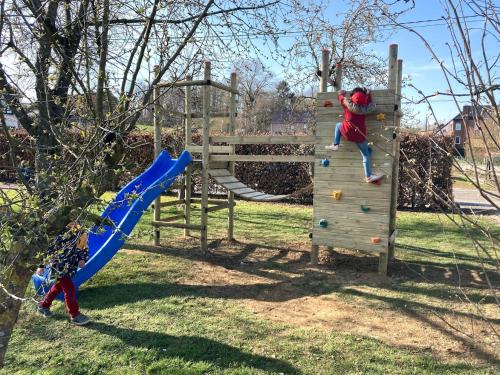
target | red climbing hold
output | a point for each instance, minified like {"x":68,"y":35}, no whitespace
{"x":328,"y":103}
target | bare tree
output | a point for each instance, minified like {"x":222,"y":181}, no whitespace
{"x":470,"y":71}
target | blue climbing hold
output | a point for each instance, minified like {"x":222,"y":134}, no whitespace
{"x":323,"y":223}
{"x":365,"y":208}
{"x":325,"y":162}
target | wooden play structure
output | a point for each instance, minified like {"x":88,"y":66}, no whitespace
{"x":348,"y":213}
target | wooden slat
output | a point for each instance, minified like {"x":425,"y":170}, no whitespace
{"x":253,"y":194}
{"x":224,"y":87}
{"x":219,"y":207}
{"x":378,"y":96}
{"x":182,"y":83}
{"x":218,"y":165}
{"x":341,"y":179}
{"x":362,"y":226}
{"x":172,"y":218}
{"x":225,"y":179}
{"x":339,"y":165}
{"x":377,"y":207}
{"x":242,"y":190}
{"x":351,"y":212}
{"x":158,"y":223}
{"x":195,"y":149}
{"x":351,"y":197}
{"x":264,"y":158}
{"x":170,"y":203}
{"x":235,"y":185}
{"x":274,"y":139}
{"x":347,"y":242}
{"x":210,"y":201}
{"x":219,"y":172}
{"x":363,"y":188}
{"x":377,"y":214}
{"x":357,"y":234}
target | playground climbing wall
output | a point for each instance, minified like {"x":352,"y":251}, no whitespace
{"x":348,"y":212}
{"x":355,"y":214}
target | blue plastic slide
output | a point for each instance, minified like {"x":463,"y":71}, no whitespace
{"x":124,"y":211}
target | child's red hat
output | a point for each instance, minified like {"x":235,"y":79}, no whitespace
{"x":359,"y":98}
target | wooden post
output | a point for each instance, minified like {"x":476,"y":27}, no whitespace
{"x":395,"y":165}
{"x":189,"y":140}
{"x":205,"y":159}
{"x":392,"y":84}
{"x":314,"y":254}
{"x":157,"y":149}
{"x":230,"y":194}
{"x":325,"y":62}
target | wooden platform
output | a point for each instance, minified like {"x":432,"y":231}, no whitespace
{"x":226,"y":179}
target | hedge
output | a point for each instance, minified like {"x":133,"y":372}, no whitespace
{"x":424,"y":169}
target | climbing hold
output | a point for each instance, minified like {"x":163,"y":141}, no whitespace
{"x":325,"y":162}
{"x":327,"y":103}
{"x":323,"y":223}
{"x":310,"y":235}
{"x":375,"y":239}
{"x":365,"y":208}
{"x":336,"y":194}
{"x":380,"y":117}
{"x":378,"y":182}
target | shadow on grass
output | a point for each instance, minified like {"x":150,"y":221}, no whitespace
{"x":445,"y":254}
{"x":302,"y":280}
{"x":420,"y":311}
{"x":193,"y":348}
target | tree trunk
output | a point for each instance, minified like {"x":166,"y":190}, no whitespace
{"x":15,"y":277}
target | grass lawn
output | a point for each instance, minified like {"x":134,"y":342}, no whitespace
{"x":257,"y":307}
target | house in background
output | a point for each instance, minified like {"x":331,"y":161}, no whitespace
{"x":457,"y":126}
{"x":10,"y":119}
{"x":290,"y":122}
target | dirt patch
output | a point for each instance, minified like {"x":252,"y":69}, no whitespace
{"x":343,"y":294}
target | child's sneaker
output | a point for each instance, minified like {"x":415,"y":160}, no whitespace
{"x":80,"y":320}
{"x":44,"y":311}
{"x":332,"y":147}
{"x":374,"y":178}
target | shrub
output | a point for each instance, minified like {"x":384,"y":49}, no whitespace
{"x":424,"y":169}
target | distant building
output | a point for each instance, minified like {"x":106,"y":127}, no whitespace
{"x":290,"y":122}
{"x":468,"y":119}
{"x":10,"y":119}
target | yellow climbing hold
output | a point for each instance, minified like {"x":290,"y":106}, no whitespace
{"x":380,"y":117}
{"x":336,"y":194}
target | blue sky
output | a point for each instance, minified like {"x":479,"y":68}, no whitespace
{"x":418,"y":65}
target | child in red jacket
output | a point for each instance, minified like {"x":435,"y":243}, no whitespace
{"x":353,"y":128}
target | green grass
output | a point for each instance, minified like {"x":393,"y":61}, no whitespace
{"x":149,"y":320}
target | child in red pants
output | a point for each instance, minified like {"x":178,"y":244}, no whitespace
{"x":68,"y":253}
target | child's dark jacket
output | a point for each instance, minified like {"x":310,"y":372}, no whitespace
{"x":68,"y":249}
